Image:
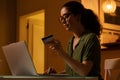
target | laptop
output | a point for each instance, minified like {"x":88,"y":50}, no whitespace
{"x":19,"y":59}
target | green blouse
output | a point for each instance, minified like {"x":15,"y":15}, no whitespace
{"x":87,"y":49}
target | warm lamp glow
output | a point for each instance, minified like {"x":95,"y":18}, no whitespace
{"x":109,"y":6}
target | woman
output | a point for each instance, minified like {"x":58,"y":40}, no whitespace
{"x":83,"y":53}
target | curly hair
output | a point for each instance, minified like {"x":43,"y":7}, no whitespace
{"x":88,"y":18}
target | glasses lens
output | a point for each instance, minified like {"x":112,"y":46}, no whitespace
{"x":64,"y":17}
{"x":61,"y":19}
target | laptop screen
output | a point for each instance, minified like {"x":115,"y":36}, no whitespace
{"x":19,"y":59}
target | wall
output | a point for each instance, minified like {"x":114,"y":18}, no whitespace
{"x":89,"y":5}
{"x":7,"y":29}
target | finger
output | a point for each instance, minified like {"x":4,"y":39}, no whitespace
{"x":53,"y":48}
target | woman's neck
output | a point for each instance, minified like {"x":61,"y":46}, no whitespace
{"x":78,"y":32}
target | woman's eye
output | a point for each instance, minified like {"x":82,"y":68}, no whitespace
{"x":66,"y":16}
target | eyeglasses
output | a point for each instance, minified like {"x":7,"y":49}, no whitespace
{"x":63,"y":18}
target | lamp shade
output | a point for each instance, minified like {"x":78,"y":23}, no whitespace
{"x":109,"y":6}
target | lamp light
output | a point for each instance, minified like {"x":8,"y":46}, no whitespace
{"x":109,"y":6}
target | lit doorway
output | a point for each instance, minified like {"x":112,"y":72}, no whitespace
{"x":32,"y":30}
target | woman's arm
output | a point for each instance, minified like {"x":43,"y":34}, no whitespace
{"x":81,"y":68}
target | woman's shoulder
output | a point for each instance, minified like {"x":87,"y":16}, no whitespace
{"x":89,"y":35}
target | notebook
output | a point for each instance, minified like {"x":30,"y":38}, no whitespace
{"x":19,"y":59}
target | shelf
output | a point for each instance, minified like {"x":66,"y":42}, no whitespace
{"x":113,"y":46}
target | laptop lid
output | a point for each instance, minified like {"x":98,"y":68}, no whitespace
{"x":19,"y":59}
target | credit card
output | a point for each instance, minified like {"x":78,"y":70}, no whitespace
{"x":47,"y":39}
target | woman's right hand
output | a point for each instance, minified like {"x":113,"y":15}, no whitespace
{"x":55,"y":45}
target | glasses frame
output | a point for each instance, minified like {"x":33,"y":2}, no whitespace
{"x":63,"y":18}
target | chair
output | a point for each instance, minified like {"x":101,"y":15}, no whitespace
{"x":112,"y":69}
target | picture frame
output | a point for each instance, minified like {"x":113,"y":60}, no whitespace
{"x":113,"y":18}
{"x":109,"y":21}
{"x":110,"y":29}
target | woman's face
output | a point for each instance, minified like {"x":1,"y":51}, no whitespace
{"x":68,"y":20}
{"x":65,"y":17}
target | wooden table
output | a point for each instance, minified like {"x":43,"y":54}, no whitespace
{"x":45,"y":78}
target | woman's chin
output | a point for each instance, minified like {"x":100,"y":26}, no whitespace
{"x":67,"y":29}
